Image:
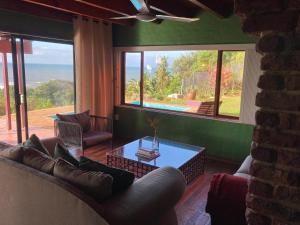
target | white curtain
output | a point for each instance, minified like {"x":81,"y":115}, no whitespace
{"x":93,"y":66}
{"x":252,"y":72}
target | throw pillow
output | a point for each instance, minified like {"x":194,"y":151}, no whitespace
{"x":84,"y":120}
{"x":96,"y":184}
{"x":67,"y":118}
{"x":14,"y":153}
{"x":38,"y":160}
{"x":122,"y":178}
{"x":62,"y":152}
{"x":35,"y":142}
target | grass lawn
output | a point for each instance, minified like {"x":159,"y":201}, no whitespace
{"x":230,"y":106}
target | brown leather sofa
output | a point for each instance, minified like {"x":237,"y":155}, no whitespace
{"x":31,"y":197}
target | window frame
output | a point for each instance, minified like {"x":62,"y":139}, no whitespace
{"x":220,"y":48}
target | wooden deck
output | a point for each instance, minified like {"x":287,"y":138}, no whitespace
{"x":40,"y":123}
{"x":191,"y":208}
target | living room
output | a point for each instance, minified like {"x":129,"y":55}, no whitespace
{"x":205,"y":91}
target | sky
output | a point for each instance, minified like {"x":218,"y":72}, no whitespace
{"x":152,"y":58}
{"x":54,"y":53}
{"x":49,"y":53}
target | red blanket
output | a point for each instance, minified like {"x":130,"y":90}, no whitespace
{"x":226,"y":201}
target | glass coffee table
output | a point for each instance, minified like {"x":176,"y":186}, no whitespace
{"x":189,"y":159}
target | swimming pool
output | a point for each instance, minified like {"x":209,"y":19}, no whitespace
{"x":163,"y":106}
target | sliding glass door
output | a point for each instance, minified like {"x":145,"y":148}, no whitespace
{"x":49,"y":84}
{"x":37,"y":83}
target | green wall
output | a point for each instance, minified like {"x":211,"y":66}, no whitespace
{"x":32,"y":25}
{"x":208,"y":30}
{"x":227,"y":140}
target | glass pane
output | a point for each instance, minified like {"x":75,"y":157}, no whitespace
{"x":180,"y":80}
{"x":49,"y":84}
{"x":132,"y":78}
{"x":8,"y":131}
{"x":231,"y":83}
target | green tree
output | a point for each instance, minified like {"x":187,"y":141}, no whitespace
{"x":162,"y":74}
{"x":132,"y":89}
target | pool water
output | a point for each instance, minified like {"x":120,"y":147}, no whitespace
{"x":163,"y":106}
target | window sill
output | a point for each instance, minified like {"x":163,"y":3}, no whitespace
{"x":186,"y":114}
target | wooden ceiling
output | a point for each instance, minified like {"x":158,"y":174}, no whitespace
{"x":65,"y":10}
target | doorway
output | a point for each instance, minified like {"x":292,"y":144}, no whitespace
{"x":37,"y":82}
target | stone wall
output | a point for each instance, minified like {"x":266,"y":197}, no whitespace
{"x":274,"y":190}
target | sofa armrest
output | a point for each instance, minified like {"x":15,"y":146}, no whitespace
{"x":226,"y":202}
{"x":147,"y":200}
{"x":245,"y":167}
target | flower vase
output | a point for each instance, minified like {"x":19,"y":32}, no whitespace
{"x":155,"y":142}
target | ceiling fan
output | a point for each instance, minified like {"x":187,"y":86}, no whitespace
{"x":144,"y":13}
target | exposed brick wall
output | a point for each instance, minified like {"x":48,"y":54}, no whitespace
{"x":274,"y":189}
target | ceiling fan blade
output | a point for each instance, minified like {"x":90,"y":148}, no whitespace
{"x":123,"y":17}
{"x":161,"y":10}
{"x":175,"y":18}
{"x":140,"y":5}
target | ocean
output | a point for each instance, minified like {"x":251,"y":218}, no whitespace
{"x":37,"y":74}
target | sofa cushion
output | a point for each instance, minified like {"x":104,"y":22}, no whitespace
{"x":83,"y":119}
{"x":38,"y":160}
{"x":62,"y":152}
{"x":226,"y":202}
{"x":14,"y":153}
{"x":91,"y":138}
{"x":4,"y":145}
{"x":35,"y":142}
{"x":122,"y":178}
{"x":96,"y":184}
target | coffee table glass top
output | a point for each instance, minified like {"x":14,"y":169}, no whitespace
{"x":172,"y":153}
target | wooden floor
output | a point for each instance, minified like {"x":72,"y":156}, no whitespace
{"x":191,"y":208}
{"x":40,"y":122}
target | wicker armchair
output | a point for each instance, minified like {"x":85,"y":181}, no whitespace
{"x":75,"y":137}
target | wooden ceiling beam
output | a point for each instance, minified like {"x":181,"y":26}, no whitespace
{"x":78,"y":8}
{"x":36,"y":10}
{"x":122,"y":7}
{"x":222,"y":8}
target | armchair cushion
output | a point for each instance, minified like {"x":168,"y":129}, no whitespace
{"x":91,"y":138}
{"x":83,"y":119}
{"x":226,"y":201}
{"x":35,"y":142}
{"x":122,"y":178}
{"x":62,"y":152}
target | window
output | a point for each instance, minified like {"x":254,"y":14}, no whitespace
{"x":132,"y":77}
{"x":231,"y":82}
{"x":206,"y":82}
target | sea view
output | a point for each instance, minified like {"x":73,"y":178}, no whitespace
{"x":41,"y":73}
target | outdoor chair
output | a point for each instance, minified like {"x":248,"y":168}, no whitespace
{"x":80,"y":131}
{"x":207,"y":108}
